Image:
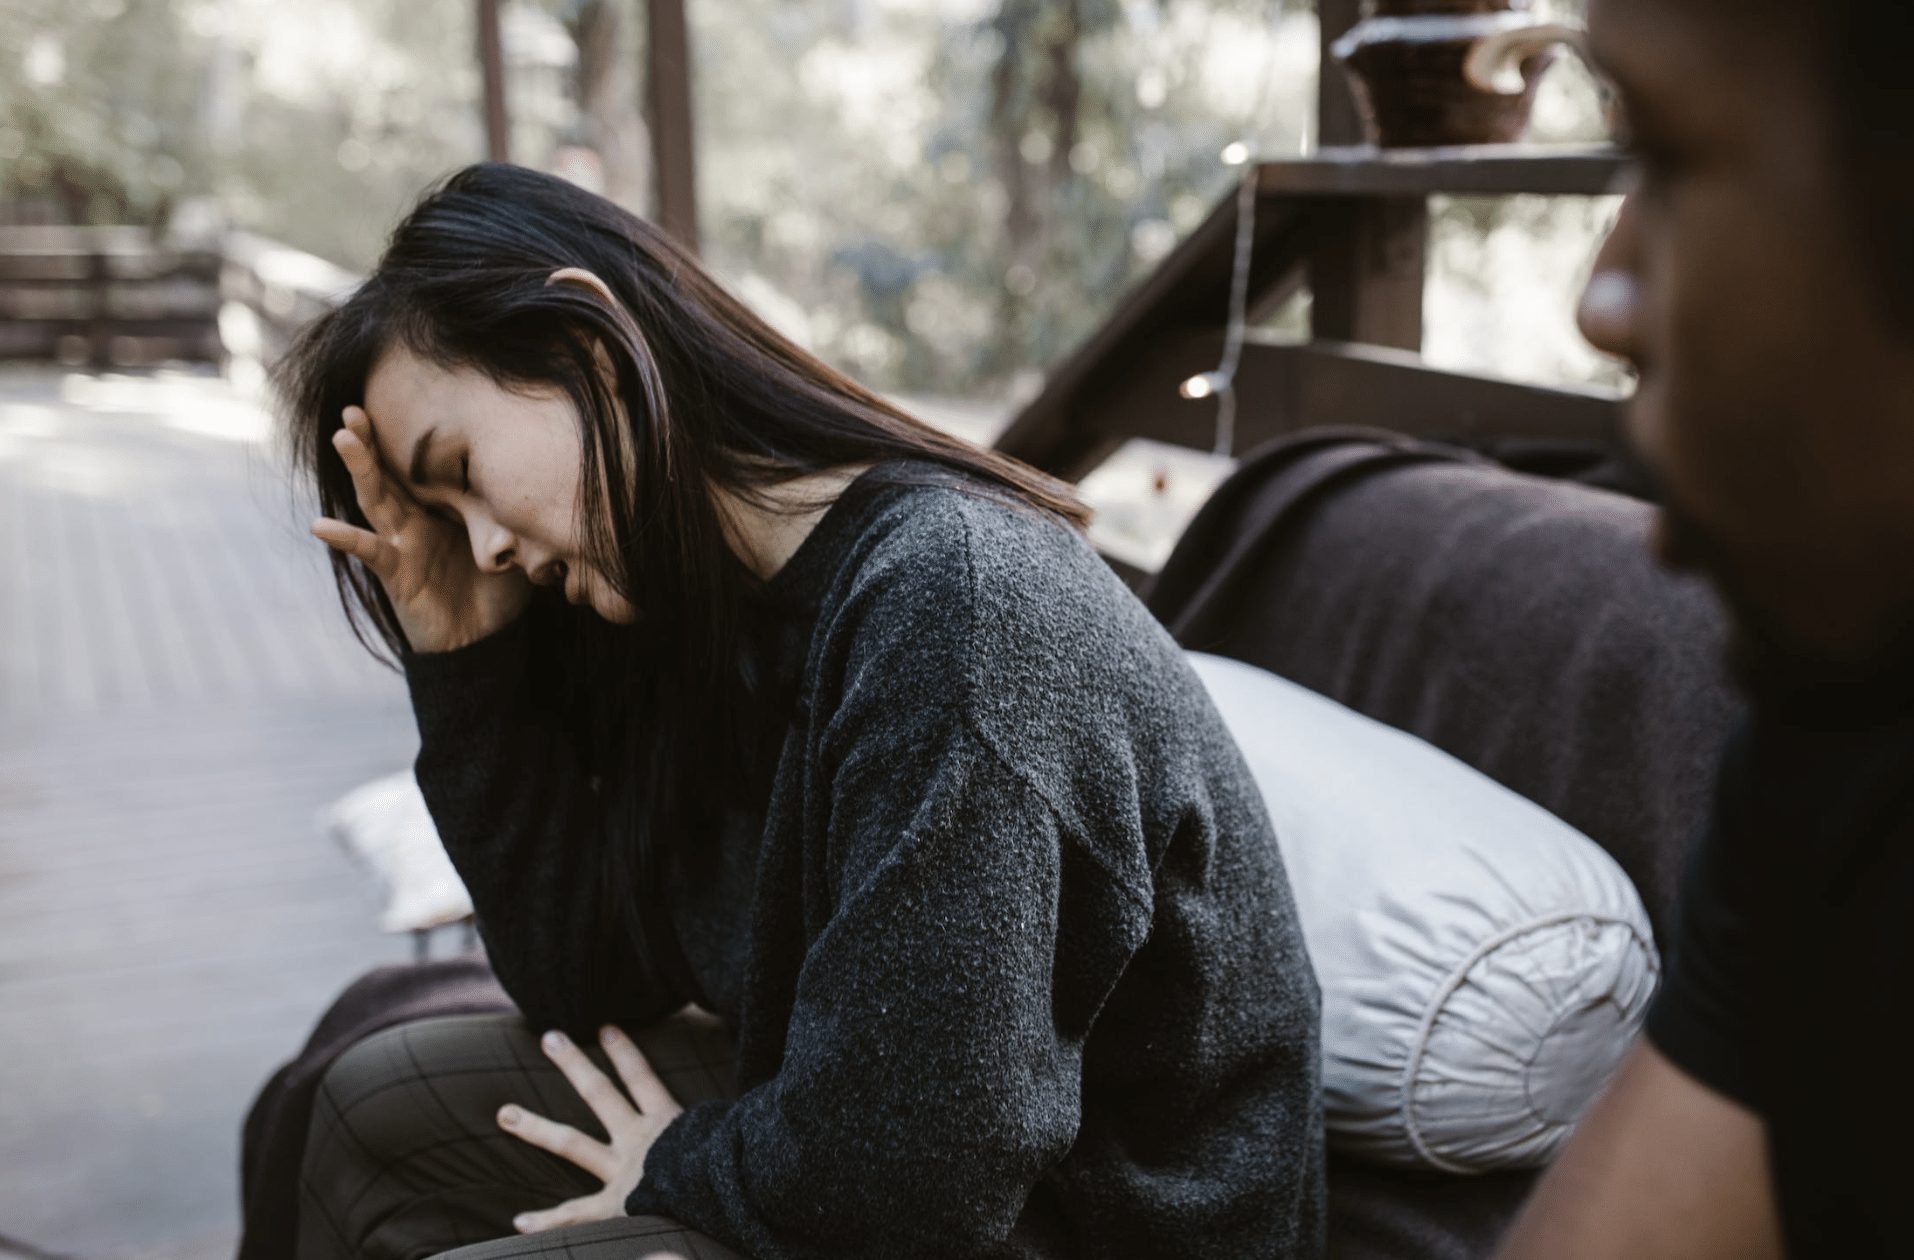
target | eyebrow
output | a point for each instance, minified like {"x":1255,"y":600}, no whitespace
{"x":421,"y":452}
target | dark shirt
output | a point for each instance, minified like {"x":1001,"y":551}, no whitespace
{"x":1010,"y":953}
{"x":1794,"y":961}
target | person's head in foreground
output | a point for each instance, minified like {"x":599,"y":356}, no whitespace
{"x":537,"y":389}
{"x":1761,"y":281}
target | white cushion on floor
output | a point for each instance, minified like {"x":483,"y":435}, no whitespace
{"x":1484,"y":965}
{"x":385,"y":825}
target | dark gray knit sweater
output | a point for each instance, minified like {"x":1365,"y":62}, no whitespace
{"x":1010,"y":952}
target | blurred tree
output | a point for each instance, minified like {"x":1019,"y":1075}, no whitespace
{"x":941,"y":196}
{"x":610,"y":123}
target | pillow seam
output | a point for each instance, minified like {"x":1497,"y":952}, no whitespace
{"x":1453,"y":981}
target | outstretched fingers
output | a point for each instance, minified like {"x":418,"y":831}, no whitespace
{"x":375,"y":552}
{"x":558,"y":1139}
{"x":646,"y":1089}
{"x":383,"y":505}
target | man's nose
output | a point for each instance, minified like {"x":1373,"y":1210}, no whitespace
{"x":1610,"y":309}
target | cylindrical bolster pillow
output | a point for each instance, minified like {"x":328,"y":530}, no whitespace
{"x":1484,"y":966}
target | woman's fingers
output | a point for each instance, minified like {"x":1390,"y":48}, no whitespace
{"x":646,"y":1089}
{"x":377,"y":499}
{"x":377,"y":554}
{"x":572,"y":1212}
{"x":560,"y":1139}
{"x":612,"y":1108}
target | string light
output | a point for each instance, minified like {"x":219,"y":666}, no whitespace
{"x":1220,"y":383}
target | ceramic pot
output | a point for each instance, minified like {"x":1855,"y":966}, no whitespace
{"x":1446,"y":72}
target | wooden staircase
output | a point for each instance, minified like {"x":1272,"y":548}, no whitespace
{"x":1352,"y":222}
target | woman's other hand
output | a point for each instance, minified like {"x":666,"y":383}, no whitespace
{"x":632,"y":1129}
{"x":442,"y":598}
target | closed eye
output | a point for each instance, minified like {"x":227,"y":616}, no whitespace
{"x":465,"y":485}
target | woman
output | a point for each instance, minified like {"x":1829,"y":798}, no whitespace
{"x":737,"y":686}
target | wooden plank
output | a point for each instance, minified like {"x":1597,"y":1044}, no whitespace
{"x":1337,"y":120}
{"x":668,"y":114}
{"x":1367,"y":274}
{"x":1286,"y":387}
{"x":1476,"y":170}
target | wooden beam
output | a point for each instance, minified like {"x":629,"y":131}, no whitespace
{"x":1367,"y":274}
{"x":1283,"y":387}
{"x":1487,"y":170}
{"x":1337,"y":120}
{"x":668,"y":114}
{"x":491,"y":52}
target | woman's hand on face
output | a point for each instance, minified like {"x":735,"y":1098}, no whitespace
{"x":443,"y":600}
{"x":621,"y":1162}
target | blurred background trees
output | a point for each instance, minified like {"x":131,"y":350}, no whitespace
{"x":941,"y":196}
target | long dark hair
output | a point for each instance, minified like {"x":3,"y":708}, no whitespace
{"x":711,"y":397}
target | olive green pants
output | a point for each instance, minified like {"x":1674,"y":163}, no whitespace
{"x":406,"y":1160}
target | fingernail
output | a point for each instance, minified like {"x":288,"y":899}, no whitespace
{"x":606,"y":1034}
{"x":509,"y":1115}
{"x":522,"y":1223}
{"x":554,"y":1040}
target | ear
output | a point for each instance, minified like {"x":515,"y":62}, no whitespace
{"x":583,"y":278}
{"x":588,"y":280}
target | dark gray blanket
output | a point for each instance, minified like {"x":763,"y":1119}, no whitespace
{"x":1517,"y":622}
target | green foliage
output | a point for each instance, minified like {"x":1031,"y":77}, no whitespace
{"x":942,"y":196}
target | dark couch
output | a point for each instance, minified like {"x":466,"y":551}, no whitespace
{"x":1516,"y":621}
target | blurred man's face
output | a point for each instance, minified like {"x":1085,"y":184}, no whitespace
{"x":1776,"y":403}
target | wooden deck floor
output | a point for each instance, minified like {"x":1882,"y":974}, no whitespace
{"x":178,"y":696}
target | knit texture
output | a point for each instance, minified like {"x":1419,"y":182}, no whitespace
{"x":1010,"y":952}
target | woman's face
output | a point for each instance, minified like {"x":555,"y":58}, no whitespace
{"x":502,"y":465}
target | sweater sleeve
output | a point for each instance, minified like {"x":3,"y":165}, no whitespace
{"x":933,"y":1063}
{"x":523,"y":826}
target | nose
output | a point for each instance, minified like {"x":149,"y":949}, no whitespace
{"x":1609,"y":313}
{"x":493,"y":547}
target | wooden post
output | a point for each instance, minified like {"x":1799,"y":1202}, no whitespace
{"x":491,"y":51}
{"x":1367,"y":273}
{"x":1336,"y":119}
{"x":1366,"y":277}
{"x":668,"y":114}
{"x":99,"y":328}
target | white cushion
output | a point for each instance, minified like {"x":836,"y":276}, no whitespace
{"x":1484,"y":965}
{"x":385,"y":825}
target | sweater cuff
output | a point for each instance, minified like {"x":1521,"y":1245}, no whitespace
{"x":664,"y":1190}
{"x":449,"y":681}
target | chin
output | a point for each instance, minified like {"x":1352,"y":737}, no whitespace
{"x":614,"y":608}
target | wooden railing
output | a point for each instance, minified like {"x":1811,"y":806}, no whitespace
{"x":1338,"y":221}
{"x":106,"y":295}
{"x":281,"y":287}
{"x":121,"y":296}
